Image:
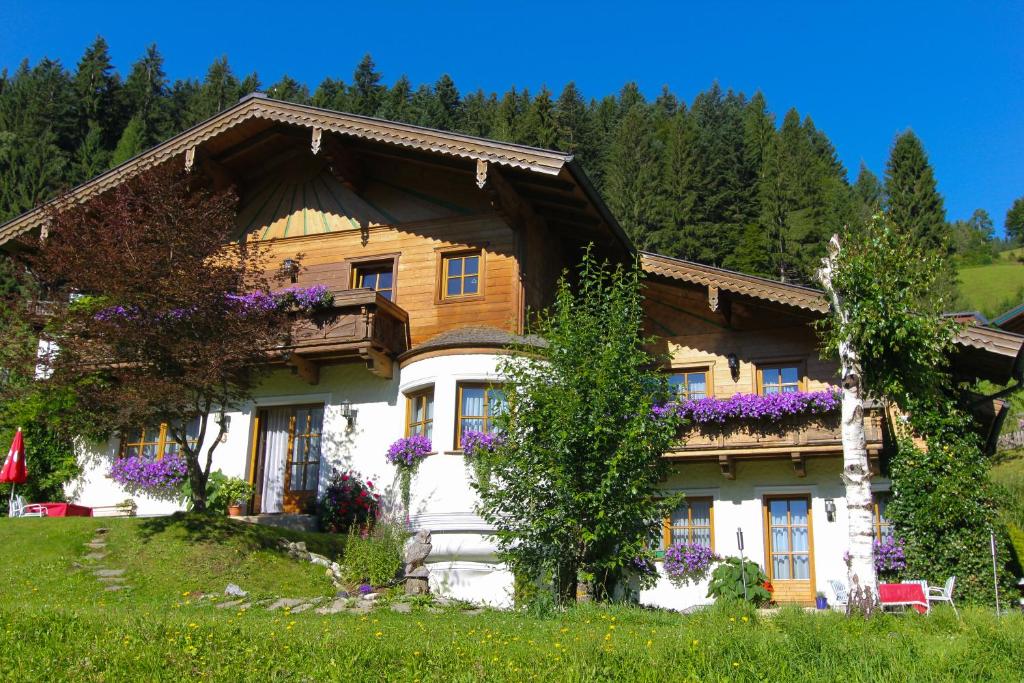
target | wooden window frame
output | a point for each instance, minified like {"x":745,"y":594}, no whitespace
{"x":163,"y":439}
{"x":410,"y":399}
{"x":293,"y":434}
{"x":667,"y":527}
{"x":442,"y":275}
{"x":767,"y":529}
{"x":459,"y":387}
{"x":364,"y":268}
{"x":709,"y":391}
{"x":353,"y":264}
{"x":799,"y":364}
{"x":876,"y":517}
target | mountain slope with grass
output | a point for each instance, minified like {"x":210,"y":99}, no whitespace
{"x":996,"y":287}
{"x":58,"y":622}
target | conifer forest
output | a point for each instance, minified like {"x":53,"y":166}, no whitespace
{"x":719,"y":178}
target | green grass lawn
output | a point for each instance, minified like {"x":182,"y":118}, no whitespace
{"x":1009,"y":475}
{"x":58,"y":624}
{"x":993,"y":289}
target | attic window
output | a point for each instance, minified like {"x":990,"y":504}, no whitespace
{"x":460,"y":275}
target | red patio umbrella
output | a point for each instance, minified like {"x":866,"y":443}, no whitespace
{"x":14,"y":471}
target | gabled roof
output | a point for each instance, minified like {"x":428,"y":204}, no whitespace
{"x":984,"y":352}
{"x":729,"y":280}
{"x":258,"y":107}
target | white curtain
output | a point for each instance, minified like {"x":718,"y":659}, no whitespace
{"x":275,"y":448}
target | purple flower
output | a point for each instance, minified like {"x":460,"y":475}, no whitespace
{"x":408,"y":451}
{"x":889,"y":556}
{"x":688,"y":562}
{"x":712,"y":410}
{"x":477,"y":443}
{"x":161,"y":478}
{"x":116,"y":313}
{"x":365,"y":588}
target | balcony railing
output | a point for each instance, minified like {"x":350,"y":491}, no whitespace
{"x":360,"y":325}
{"x":794,"y":438}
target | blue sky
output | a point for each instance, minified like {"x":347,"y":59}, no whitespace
{"x":952,"y":71}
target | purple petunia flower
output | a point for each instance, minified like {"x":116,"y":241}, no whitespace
{"x":409,"y":450}
{"x":476,"y":443}
{"x":713,"y":410}
{"x":160,"y":479}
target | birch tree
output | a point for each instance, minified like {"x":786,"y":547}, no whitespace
{"x":892,"y":345}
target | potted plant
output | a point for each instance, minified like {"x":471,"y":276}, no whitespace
{"x":821,"y":601}
{"x":236,"y":492}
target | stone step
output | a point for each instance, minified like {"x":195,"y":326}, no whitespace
{"x":109,"y":572}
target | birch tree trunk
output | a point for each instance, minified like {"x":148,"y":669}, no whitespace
{"x":863,"y":582}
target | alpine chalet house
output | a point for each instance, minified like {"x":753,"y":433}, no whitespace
{"x":436,"y":246}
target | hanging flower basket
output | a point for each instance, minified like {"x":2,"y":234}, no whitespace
{"x":406,"y":455}
{"x":687,"y":563}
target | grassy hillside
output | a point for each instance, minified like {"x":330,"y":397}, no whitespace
{"x":58,"y":623}
{"x":994,"y":288}
{"x":1009,"y":475}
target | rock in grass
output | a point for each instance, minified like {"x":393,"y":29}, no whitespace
{"x":229,"y":603}
{"x":235,"y":590}
{"x":109,"y":572}
{"x":336,"y":606}
{"x":286,"y":602}
{"x":401,"y":607}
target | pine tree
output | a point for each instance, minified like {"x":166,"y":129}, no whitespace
{"x":913,"y":201}
{"x":869,"y":193}
{"x":91,"y":158}
{"x":573,"y":125}
{"x":540,"y":125}
{"x":395,"y":105}
{"x":478,"y":110}
{"x":249,"y":84}
{"x":97,"y":89}
{"x":508,"y":114}
{"x":290,"y":90}
{"x":145,"y":91}
{"x":219,"y":91}
{"x":449,"y":104}
{"x":1014,"y":223}
{"x":679,"y":187}
{"x":132,"y":142}
{"x":631,"y":176}
{"x":366,"y":90}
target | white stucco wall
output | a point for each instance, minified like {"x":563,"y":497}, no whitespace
{"x":463,"y":561}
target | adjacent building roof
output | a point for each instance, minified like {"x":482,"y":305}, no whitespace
{"x":1012,"y":320}
{"x":985,"y":352}
{"x":729,"y":280}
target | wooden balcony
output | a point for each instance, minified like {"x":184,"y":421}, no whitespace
{"x":360,"y":326}
{"x":795,"y":439}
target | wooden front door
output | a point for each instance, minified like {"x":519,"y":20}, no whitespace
{"x":288,"y":447}
{"x":789,"y":548}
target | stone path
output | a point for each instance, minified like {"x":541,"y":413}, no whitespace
{"x":110,"y":578}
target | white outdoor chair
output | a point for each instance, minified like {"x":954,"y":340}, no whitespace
{"x":20,"y":509}
{"x":943,"y":594}
{"x":842,"y":596}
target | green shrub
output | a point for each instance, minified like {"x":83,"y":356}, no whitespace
{"x":729,"y":578}
{"x":375,"y":558}
{"x":236,"y":491}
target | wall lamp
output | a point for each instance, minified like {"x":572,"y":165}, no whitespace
{"x":349,"y":413}
{"x":830,"y":509}
{"x":734,"y":366}
{"x":226,"y":423}
{"x":290,"y":267}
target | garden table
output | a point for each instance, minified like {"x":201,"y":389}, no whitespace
{"x":65,"y":510}
{"x":903,"y":594}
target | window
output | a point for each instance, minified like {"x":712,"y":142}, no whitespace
{"x":460,"y":275}
{"x":156,"y":441}
{"x":691,"y":522}
{"x":477,"y":405}
{"x":376,"y":276}
{"x":689,"y":384}
{"x":883,"y":527}
{"x":304,"y":461}
{"x":779,"y":379}
{"x":420,"y":413}
{"x":789,"y":534}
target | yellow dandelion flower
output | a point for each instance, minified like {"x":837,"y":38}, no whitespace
{"x":649,"y":643}
{"x":746,"y":619}
{"x":416,"y":653}
{"x":735,"y":663}
{"x":696,"y":643}
{"x":378,"y":634}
